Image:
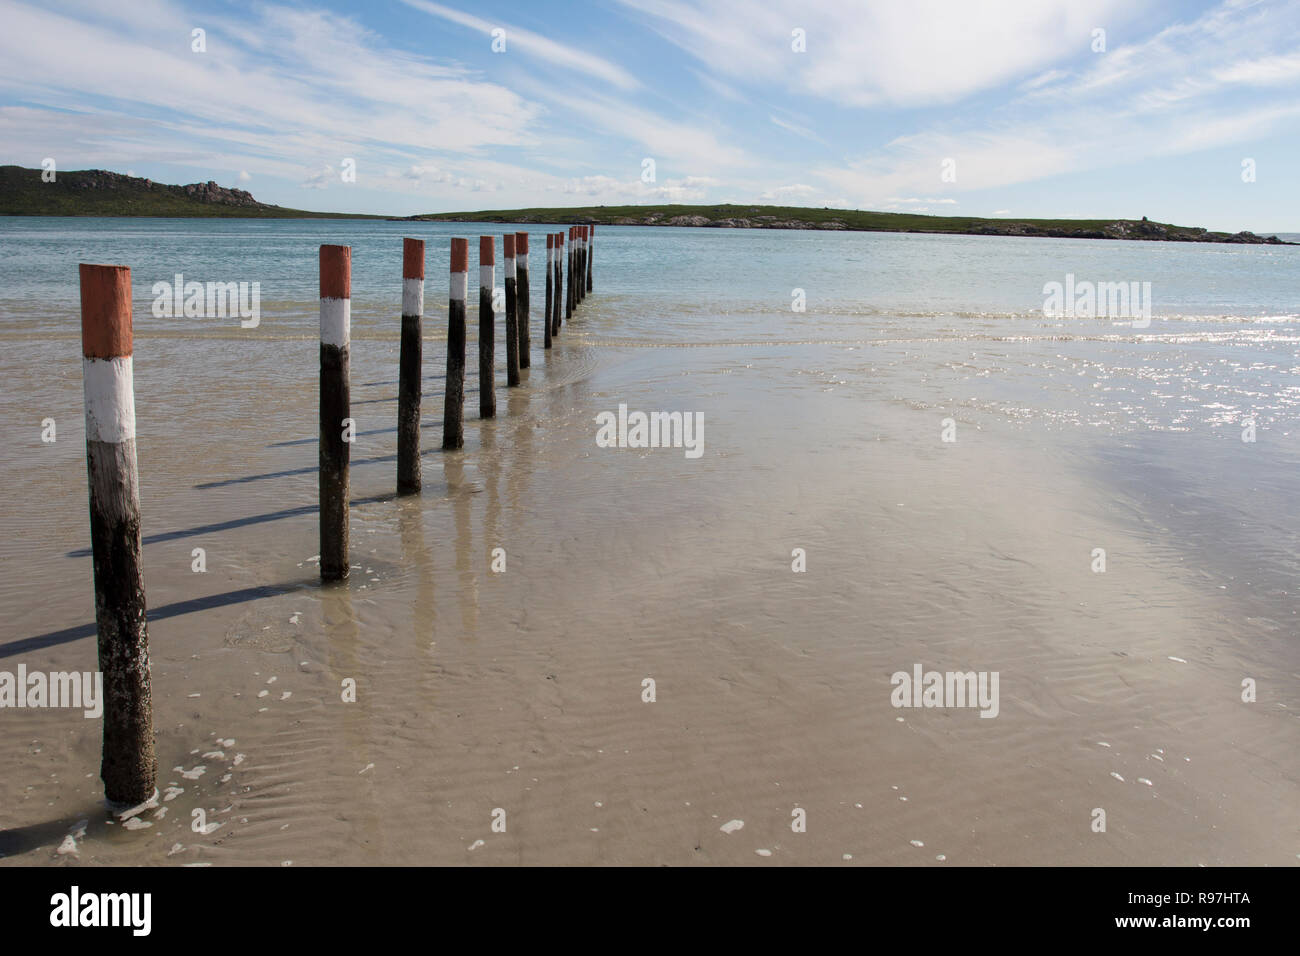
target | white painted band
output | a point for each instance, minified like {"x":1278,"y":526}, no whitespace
{"x":335,"y":322}
{"x":412,"y":297}
{"x":459,"y":283}
{"x":510,"y":267}
{"x":110,"y":399}
{"x":486,"y":277}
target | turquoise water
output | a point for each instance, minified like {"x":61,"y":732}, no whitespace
{"x":741,"y":279}
{"x":1222,"y":344}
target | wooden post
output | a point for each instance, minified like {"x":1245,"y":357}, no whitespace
{"x":512,"y":321}
{"x":128,"y":766}
{"x":569,"y":300}
{"x":487,"y":396}
{"x":521,"y":303}
{"x":410,"y":366}
{"x":550,"y":283}
{"x":559,"y":282}
{"x":453,"y":414}
{"x":578,"y":287}
{"x":582,"y":263}
{"x":335,"y":408}
{"x":591,"y":242}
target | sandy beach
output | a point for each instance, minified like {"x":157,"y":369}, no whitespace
{"x":522,"y":691}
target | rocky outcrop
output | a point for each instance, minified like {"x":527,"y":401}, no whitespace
{"x":93,"y":180}
{"x":211,"y":192}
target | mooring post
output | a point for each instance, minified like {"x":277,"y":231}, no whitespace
{"x":410,"y":366}
{"x":579,"y":287}
{"x":128,"y":766}
{"x":569,"y":300}
{"x":512,"y":303}
{"x":453,"y":413}
{"x":487,"y":396}
{"x":582,"y":263}
{"x":335,"y":408}
{"x":521,"y":302}
{"x":591,"y":243}
{"x":559,"y":282}
{"x":550,"y":283}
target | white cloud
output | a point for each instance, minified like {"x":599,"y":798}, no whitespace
{"x":883,"y":51}
{"x":666,"y":140}
{"x":292,"y":85}
{"x":1264,"y":71}
{"x":611,"y":191}
{"x":794,"y":190}
{"x":318,"y":179}
{"x":792,"y":127}
{"x":534,"y":45}
{"x":1175,"y":93}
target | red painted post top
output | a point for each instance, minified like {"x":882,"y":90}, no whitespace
{"x":106,"y":311}
{"x":336,"y":272}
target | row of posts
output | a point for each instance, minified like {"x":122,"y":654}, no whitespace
{"x":128,"y":762}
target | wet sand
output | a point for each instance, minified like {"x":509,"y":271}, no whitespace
{"x":522,"y":691}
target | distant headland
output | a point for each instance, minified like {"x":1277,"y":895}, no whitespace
{"x":734,"y":216}
{"x":98,"y":192}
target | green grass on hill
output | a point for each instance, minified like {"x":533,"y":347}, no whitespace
{"x":95,"y":192}
{"x":800,"y":217}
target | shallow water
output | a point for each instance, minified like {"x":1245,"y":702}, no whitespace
{"x":522,"y":691}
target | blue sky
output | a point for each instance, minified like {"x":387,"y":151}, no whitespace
{"x":1036,"y":120}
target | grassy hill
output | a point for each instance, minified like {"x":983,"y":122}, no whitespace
{"x":97,"y":192}
{"x":730,"y":216}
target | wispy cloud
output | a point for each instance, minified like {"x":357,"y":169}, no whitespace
{"x":1172,"y":94}
{"x":534,"y":45}
{"x":883,"y":52}
{"x":801,"y":131}
{"x":294,"y":82}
